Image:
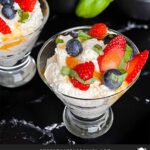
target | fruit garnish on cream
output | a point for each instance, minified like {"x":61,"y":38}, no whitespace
{"x":94,"y":63}
{"x":19,"y":18}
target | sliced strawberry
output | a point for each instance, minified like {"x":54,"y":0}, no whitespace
{"x":135,"y":65}
{"x":98,"y":31}
{"x":117,"y":42}
{"x":4,"y":28}
{"x":113,"y":54}
{"x":111,"y":59}
{"x":26,"y":5}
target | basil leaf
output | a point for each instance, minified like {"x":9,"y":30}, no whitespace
{"x":91,"y":8}
{"x":23,"y":15}
{"x":97,"y":48}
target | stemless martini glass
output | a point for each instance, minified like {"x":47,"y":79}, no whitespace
{"x":17,"y":67}
{"x":85,"y":118}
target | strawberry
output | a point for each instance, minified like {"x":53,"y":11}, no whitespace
{"x":79,"y":85}
{"x":26,"y":5}
{"x":85,"y":72}
{"x":98,"y":31}
{"x":135,"y":65}
{"x":4,"y":28}
{"x":119,"y":41}
{"x":113,"y":54}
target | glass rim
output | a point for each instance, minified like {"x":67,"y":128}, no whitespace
{"x":85,"y":28}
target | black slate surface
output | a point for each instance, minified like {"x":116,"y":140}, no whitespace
{"x":33,"y":114}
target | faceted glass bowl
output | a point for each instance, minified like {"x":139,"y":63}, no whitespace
{"x":85,"y":118}
{"x":17,"y":67}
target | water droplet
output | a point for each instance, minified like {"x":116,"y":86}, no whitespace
{"x":147,"y":101}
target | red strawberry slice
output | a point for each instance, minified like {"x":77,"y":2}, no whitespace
{"x":135,"y":65}
{"x":4,"y":28}
{"x":26,"y":5}
{"x":113,"y":54}
{"x":98,"y":31}
{"x":85,"y":72}
{"x":119,"y":41}
{"x":111,"y":59}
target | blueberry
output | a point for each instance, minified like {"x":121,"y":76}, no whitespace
{"x":109,"y":81}
{"x":8,"y":11}
{"x":74,"y":34}
{"x":74,"y":47}
{"x":4,"y":2}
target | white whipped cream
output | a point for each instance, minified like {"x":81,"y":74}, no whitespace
{"x":61,"y":83}
{"x":14,"y":46}
{"x":22,"y":29}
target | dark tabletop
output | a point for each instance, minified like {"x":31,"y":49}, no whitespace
{"x":33,"y":114}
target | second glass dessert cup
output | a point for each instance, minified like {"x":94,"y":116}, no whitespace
{"x":85,"y":118}
{"x":17,"y":67}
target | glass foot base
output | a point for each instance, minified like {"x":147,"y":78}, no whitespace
{"x":88,"y":128}
{"x":18,"y":75}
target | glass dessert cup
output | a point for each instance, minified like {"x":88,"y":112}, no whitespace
{"x":17,"y":67}
{"x":85,"y":118}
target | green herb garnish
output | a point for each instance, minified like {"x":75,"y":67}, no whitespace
{"x":72,"y":73}
{"x":118,"y":78}
{"x":23,"y":15}
{"x":126,"y":58}
{"x":97,"y":48}
{"x":83,"y":36}
{"x":58,"y":40}
{"x":111,"y":35}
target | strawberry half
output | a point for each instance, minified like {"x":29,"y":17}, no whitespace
{"x":85,"y":72}
{"x":113,"y":54}
{"x":26,"y":5}
{"x":98,"y":31}
{"x":135,"y":65}
{"x":117,"y":42}
{"x":4,"y":28}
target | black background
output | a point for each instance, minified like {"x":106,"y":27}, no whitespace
{"x":35,"y":103}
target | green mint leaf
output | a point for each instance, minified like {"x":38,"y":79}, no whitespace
{"x":90,"y":81}
{"x":72,"y":73}
{"x":58,"y":40}
{"x":128,"y":53}
{"x":118,"y":78}
{"x":111,"y":35}
{"x":97,"y":48}
{"x":83,"y":36}
{"x":65,"y":71}
{"x":122,"y":71}
{"x":126,"y":57}
{"x":122,"y":64}
{"x":23,"y":15}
